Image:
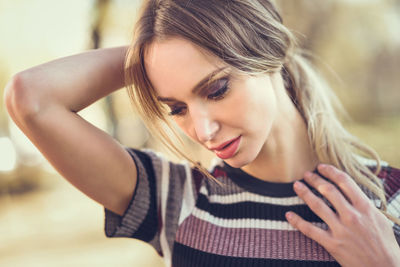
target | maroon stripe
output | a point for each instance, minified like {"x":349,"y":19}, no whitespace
{"x":197,"y":179}
{"x":391,"y":178}
{"x":249,"y":242}
{"x":392,"y":182}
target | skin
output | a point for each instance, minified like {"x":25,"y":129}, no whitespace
{"x":275,"y":150}
{"x":274,"y":147}
{"x":43,"y":102}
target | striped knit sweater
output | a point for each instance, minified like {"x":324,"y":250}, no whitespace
{"x":193,"y":221}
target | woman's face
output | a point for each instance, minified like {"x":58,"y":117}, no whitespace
{"x":232,"y":116}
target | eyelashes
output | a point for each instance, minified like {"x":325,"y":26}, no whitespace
{"x":221,"y":89}
{"x":217,"y":91}
{"x":176,"y":111}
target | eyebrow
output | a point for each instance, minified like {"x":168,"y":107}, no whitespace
{"x":198,"y":87}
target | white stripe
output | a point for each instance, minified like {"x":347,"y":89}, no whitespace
{"x":393,"y":207}
{"x":204,"y":190}
{"x":247,"y":196}
{"x":248,"y":223}
{"x":188,"y":198}
{"x":214,"y":163}
{"x":164,"y":194}
{"x":370,"y":162}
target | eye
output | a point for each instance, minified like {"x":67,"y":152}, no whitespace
{"x":218,"y":89}
{"x":177,"y":110}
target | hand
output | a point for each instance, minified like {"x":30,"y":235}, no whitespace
{"x":359,"y":234}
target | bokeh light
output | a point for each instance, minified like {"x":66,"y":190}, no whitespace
{"x":8,"y":155}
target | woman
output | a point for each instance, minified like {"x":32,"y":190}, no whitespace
{"x":289,"y":190}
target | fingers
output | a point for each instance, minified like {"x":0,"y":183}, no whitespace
{"x":346,"y":184}
{"x":316,"y":204}
{"x":308,"y":229}
{"x":330,"y":192}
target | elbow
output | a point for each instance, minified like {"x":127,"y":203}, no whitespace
{"x":19,"y":98}
{"x":11,"y":90}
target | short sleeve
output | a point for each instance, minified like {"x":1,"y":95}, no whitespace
{"x":140,"y":220}
{"x":164,"y":195}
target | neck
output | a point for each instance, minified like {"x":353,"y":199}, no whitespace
{"x":286,"y":156}
{"x":288,"y":153}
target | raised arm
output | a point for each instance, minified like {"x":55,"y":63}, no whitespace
{"x":44,"y":101}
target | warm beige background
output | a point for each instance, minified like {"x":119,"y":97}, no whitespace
{"x":44,"y":221}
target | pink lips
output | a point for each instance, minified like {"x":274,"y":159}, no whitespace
{"x":227,"y":149}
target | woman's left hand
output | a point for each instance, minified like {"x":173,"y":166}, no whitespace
{"x":359,"y":234}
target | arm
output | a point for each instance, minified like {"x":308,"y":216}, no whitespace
{"x":44,"y":101}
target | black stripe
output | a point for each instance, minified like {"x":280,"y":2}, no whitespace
{"x":149,"y":227}
{"x":254,"y":210}
{"x":258,"y":186}
{"x":184,"y":256}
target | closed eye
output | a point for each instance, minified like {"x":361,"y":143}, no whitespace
{"x":218,"y":89}
{"x":177,"y":110}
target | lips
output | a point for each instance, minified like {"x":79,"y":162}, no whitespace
{"x":227,"y":149}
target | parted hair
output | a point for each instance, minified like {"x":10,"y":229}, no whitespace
{"x":249,"y":36}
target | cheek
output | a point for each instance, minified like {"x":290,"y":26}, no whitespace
{"x":252,"y":107}
{"x":256,"y":110}
{"x":265,"y":107}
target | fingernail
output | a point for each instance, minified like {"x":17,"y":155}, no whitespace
{"x":289,"y":215}
{"x":322,"y":166}
{"x":298,"y":185}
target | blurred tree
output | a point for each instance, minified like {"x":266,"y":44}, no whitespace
{"x":359,"y":41}
{"x":310,"y":20}
{"x":100,"y":12}
{"x":3,"y":115}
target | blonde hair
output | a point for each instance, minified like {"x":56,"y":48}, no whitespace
{"x":249,"y":36}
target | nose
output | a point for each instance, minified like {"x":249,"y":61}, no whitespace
{"x":204,"y":124}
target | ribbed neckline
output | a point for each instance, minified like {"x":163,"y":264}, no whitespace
{"x":258,"y":186}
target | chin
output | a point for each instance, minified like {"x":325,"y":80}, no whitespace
{"x":238,"y":161}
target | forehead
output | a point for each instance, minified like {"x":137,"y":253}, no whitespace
{"x":174,"y":66}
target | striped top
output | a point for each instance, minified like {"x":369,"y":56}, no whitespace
{"x":193,"y":221}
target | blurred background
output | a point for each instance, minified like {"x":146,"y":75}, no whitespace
{"x":44,"y":221}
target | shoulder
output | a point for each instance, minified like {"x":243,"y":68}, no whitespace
{"x":156,"y":160}
{"x":389,"y":172}
{"x":390,"y":177}
{"x":165,"y":170}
